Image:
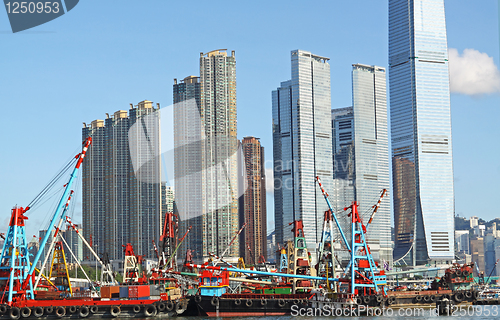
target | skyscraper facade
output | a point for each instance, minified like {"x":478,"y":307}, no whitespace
{"x":219,"y":152}
{"x":302,"y":147}
{"x":421,"y":132}
{"x":121,"y":182}
{"x":205,"y":164}
{"x":187,"y":163}
{"x":253,"y":203}
{"x":361,"y":155}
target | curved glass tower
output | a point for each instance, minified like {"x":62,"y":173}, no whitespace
{"x":421,"y":132}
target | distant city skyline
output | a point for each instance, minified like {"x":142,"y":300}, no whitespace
{"x":89,"y":71}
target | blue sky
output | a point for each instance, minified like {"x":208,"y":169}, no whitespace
{"x":103,"y":55}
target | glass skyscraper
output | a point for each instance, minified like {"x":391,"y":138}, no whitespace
{"x":302,"y":147}
{"x":421,"y":132}
{"x":361,"y":157}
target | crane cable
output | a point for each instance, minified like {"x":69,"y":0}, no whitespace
{"x":51,"y":184}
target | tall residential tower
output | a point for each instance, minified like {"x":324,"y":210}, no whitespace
{"x":219,"y":151}
{"x":253,"y":202}
{"x":421,"y":132}
{"x":121,"y":182}
{"x":205,"y":160}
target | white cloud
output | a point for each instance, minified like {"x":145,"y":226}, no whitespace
{"x":473,"y":72}
{"x":269,"y":180}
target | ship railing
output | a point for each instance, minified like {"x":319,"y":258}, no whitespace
{"x":265,"y":296}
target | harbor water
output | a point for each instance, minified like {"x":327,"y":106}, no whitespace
{"x":466,"y":313}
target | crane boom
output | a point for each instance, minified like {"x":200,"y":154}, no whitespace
{"x":214,"y":262}
{"x":60,"y":207}
{"x":333,"y":213}
{"x":103,"y":266}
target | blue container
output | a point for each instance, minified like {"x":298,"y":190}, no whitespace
{"x":143,"y":298}
{"x":123,"y":292}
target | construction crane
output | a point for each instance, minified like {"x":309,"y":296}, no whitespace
{"x":105,"y":267}
{"x":214,"y":262}
{"x":363,"y":270}
{"x":168,"y":241}
{"x":15,"y":269}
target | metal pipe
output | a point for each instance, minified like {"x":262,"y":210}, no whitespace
{"x":252,"y":281}
{"x":265,"y":273}
{"x":414,"y":271}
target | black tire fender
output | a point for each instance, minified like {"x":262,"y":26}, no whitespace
{"x":25,"y":312}
{"x":115,"y":311}
{"x":60,"y":311}
{"x":38,"y":312}
{"x":476,"y":294}
{"x":214,"y":301}
{"x":433,"y":298}
{"x":161,"y":307}
{"x":149,"y":310}
{"x":136,"y":308}
{"x":458,"y":297}
{"x":281,"y":303}
{"x":14,"y":313}
{"x":93,"y":309}
{"x":3,"y":308}
{"x":237,"y":302}
{"x":197,"y":298}
{"x":366,"y":299}
{"x":263,"y":302}
{"x":249,"y":303}
{"x":49,"y":310}
{"x":418,"y":298}
{"x":468,"y":294}
{"x":84,"y":312}
{"x":180,"y":307}
{"x":72,"y":309}
{"x":170,"y":306}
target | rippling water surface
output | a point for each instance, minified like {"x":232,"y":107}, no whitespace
{"x":468,"y":312}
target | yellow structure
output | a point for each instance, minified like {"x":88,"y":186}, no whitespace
{"x":59,"y":269}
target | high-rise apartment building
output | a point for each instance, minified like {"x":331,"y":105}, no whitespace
{"x":121,"y":182}
{"x":361,"y":155}
{"x":219,"y":152}
{"x":302,"y":147}
{"x":421,"y":132}
{"x":205,"y":142}
{"x":187,"y":163}
{"x":253,"y":202}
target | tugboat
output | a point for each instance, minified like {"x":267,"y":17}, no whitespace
{"x":214,"y":300}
